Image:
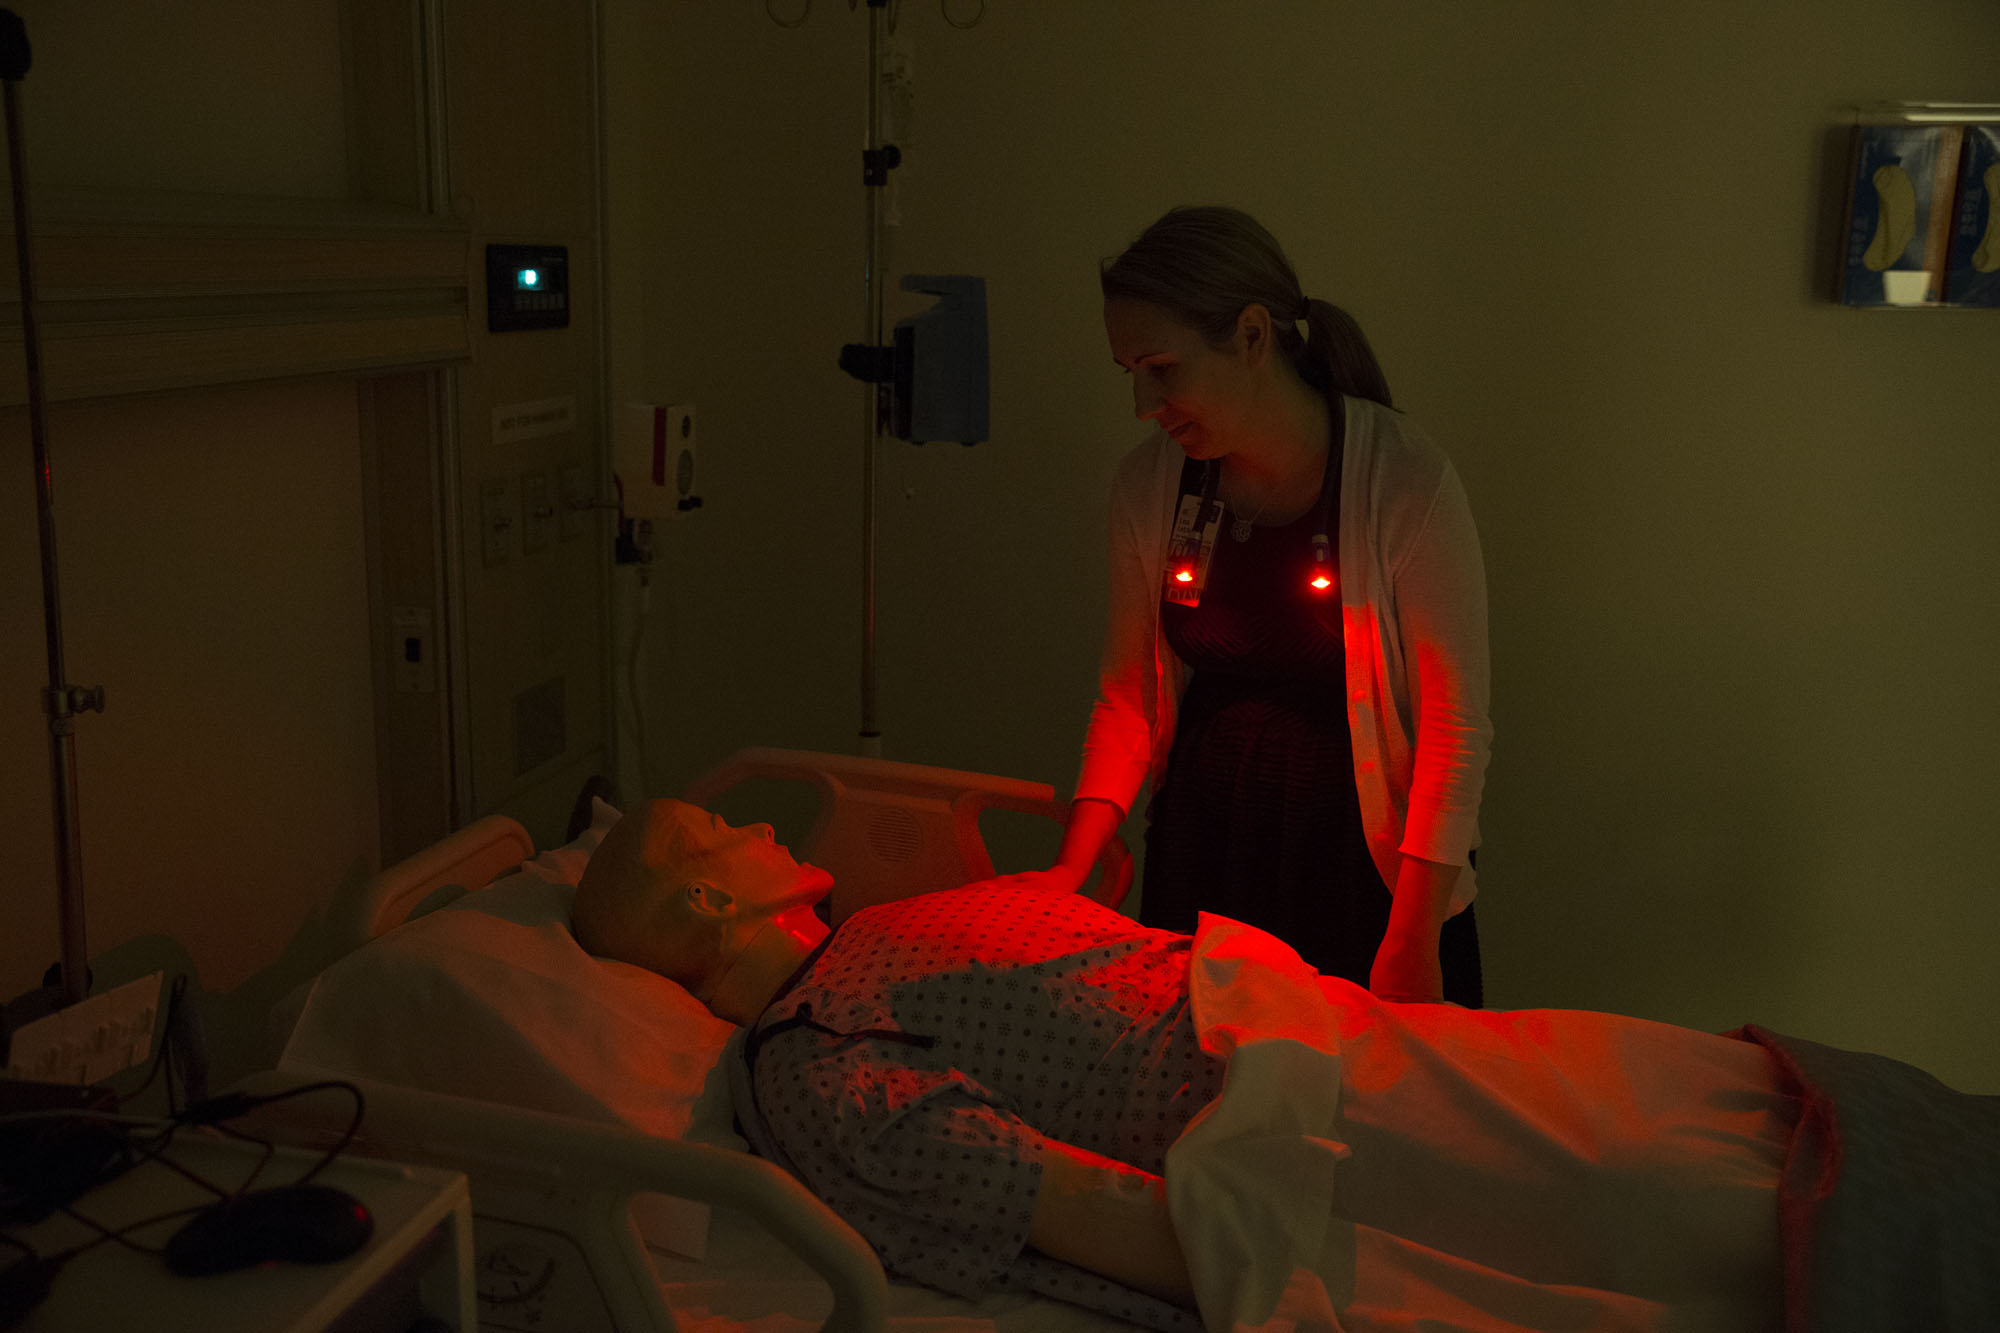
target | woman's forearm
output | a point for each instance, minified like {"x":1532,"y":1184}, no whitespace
{"x":1406,"y":963}
{"x":1091,"y":825}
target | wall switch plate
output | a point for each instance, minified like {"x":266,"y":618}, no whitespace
{"x":577,"y":502}
{"x":496,"y":519}
{"x":413,"y":660}
{"x":682,"y":453}
{"x":538,"y":512}
{"x":91,"y":1040}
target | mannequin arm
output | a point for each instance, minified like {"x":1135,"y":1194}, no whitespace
{"x":1109,"y":1218}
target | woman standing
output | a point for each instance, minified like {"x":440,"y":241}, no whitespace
{"x":1296,"y":653}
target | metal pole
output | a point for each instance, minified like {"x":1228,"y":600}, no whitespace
{"x":60,"y":702}
{"x":871,"y":738}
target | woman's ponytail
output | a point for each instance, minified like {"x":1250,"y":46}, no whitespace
{"x":1336,"y":357}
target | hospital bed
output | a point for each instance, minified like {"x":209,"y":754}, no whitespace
{"x":584,"y":1098}
{"x":587,"y":1102}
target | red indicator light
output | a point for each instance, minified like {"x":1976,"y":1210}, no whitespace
{"x":1184,"y":576}
{"x":1321,"y":582}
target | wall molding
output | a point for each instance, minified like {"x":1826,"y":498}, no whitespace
{"x":140,"y":294}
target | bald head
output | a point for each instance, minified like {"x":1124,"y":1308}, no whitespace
{"x":677,"y":891}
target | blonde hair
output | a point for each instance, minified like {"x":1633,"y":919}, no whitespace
{"x":1204,"y":264}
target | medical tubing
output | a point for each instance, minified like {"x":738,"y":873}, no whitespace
{"x":60,"y":701}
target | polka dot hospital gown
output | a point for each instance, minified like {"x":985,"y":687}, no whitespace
{"x":1051,"y":1017}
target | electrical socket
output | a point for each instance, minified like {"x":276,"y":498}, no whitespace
{"x":92,"y":1039}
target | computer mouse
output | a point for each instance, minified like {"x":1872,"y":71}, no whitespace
{"x":312,"y":1224}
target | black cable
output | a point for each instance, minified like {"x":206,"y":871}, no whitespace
{"x":26,"y":1282}
{"x":230,"y":1105}
{"x":212,"y":1113}
{"x":270,"y":1151}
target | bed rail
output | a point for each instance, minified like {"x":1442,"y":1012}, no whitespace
{"x":471,"y":858}
{"x":582,"y":1177}
{"x":886,"y":830}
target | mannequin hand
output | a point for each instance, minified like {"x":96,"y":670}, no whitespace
{"x":1056,"y":879}
{"x":1406,"y":973}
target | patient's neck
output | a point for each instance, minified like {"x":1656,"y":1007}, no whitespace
{"x":770,"y":956}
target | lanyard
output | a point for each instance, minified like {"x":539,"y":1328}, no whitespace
{"x":802,"y":1017}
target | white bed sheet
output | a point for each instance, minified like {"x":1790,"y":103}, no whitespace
{"x":1376,"y":1167}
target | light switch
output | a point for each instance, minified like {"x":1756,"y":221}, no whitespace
{"x":538,"y":512}
{"x":496,"y":519}
{"x":577,"y":502}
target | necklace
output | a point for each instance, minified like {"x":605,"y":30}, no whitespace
{"x":1241,"y":528}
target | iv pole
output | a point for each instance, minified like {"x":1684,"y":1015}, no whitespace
{"x":61,"y":701}
{"x":876,"y":163}
{"x":887,"y":370}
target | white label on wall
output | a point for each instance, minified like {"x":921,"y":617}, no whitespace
{"x":525,"y":421}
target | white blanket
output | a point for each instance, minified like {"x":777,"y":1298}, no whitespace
{"x":1377,"y":1166}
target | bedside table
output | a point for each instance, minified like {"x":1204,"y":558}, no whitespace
{"x":414,"y":1272}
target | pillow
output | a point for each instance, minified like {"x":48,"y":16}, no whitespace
{"x":491,"y":997}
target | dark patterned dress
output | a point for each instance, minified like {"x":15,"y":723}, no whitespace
{"x":1256,"y":816}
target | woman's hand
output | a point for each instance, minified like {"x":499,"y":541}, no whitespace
{"x":1406,"y":962}
{"x":1057,"y":879}
{"x":1406,"y":972}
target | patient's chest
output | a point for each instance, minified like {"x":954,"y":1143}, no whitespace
{"x":1066,"y":1014}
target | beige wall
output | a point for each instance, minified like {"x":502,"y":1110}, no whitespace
{"x":223,"y":96}
{"x":214,"y":582}
{"x":1739,"y":539}
{"x":524,"y":168}
{"x":216,"y":545}
{"x":214,"y":577}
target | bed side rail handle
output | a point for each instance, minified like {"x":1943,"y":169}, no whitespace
{"x":436,"y":1127}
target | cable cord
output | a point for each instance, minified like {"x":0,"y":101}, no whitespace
{"x":25,"y":1283}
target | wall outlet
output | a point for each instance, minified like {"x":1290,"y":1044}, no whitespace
{"x":682,"y":442}
{"x":413,"y":662}
{"x":91,"y":1040}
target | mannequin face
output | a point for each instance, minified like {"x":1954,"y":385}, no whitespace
{"x":744,"y":873}
{"x":674,"y":889}
{"x":1202,"y":396}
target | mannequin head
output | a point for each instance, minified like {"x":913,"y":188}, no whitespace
{"x":724,"y":911}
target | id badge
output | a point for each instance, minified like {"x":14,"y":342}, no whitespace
{"x":1191,"y":549}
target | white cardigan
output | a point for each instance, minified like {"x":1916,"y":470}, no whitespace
{"x":1413,"y":604}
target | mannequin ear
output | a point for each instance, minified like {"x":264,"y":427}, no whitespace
{"x":705,"y":898}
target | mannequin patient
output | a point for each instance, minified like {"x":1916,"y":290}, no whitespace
{"x":728,"y":913}
{"x":984,"y":1082}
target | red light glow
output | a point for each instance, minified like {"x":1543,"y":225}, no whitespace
{"x":1321,"y":582}
{"x":1184,"y":576}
